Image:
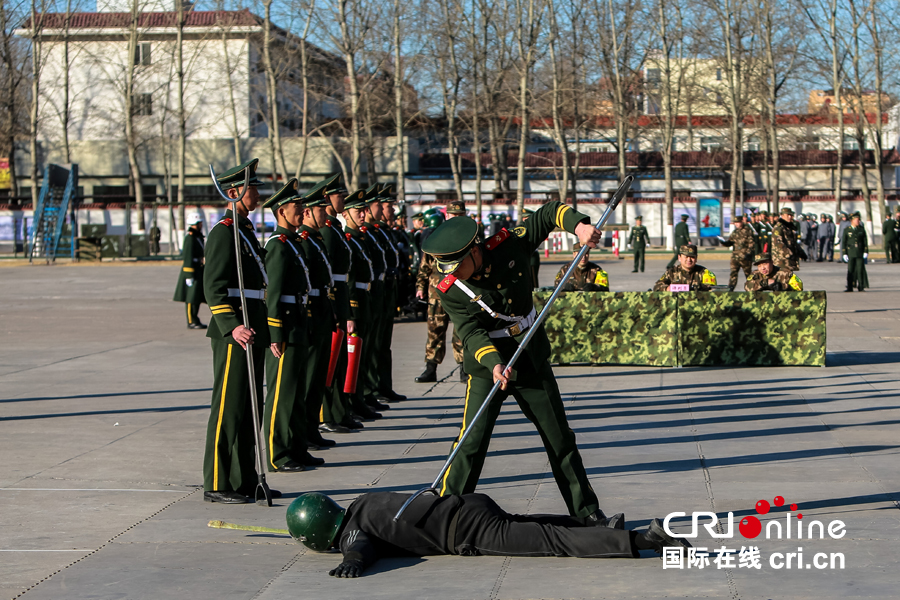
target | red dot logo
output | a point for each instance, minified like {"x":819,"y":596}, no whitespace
{"x":793,"y":507}
{"x":800,"y":516}
{"x":750,"y":527}
{"x":779,"y":501}
{"x":762,"y":507}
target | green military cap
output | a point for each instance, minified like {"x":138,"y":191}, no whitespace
{"x":857,"y":215}
{"x":638,"y":218}
{"x":335,"y":185}
{"x":355,"y":200}
{"x":456,"y":208}
{"x":451,"y":242}
{"x":762,"y":258}
{"x":787,"y":210}
{"x":370,"y":194}
{"x":685,"y":217}
{"x":233,"y":178}
{"x":764,"y":213}
{"x":688,"y":250}
{"x":288,"y":193}
{"x":576,"y":247}
{"x":386,"y":193}
{"x":419,"y":215}
{"x":824,"y":216}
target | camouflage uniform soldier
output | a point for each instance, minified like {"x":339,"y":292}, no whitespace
{"x":742,"y":242}
{"x":588,"y":276}
{"x":438,"y":320}
{"x":682,"y":238}
{"x":770,"y":278}
{"x":638,"y":239}
{"x":687,"y":272}
{"x":786,"y":252}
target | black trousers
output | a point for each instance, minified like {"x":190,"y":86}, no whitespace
{"x":483,"y":528}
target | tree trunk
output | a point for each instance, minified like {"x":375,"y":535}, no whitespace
{"x":398,"y":108}
{"x":279,"y":168}
{"x":349,"y":55}
{"x":36,"y":58}
{"x":131,"y":141}
{"x":182,"y":117}
{"x":67,"y":153}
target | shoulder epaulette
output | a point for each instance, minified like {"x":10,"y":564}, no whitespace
{"x":446,"y":282}
{"x":227,"y":222}
{"x":497,"y":239}
{"x":304,"y":234}
{"x":283,"y":238}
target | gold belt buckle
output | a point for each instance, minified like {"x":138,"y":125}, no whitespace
{"x":515,"y":330}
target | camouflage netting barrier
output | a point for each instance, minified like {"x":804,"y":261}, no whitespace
{"x":695,"y":328}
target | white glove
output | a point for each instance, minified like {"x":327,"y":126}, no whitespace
{"x":865,"y":255}
{"x":720,"y":238}
{"x":629,"y":246}
{"x":846,"y":258}
{"x":189,"y":282}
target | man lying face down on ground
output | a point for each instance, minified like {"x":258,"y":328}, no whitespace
{"x":467,"y":525}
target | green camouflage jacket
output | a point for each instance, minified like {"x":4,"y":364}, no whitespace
{"x":504,"y":287}
{"x":428,"y":278}
{"x":699,"y":278}
{"x":785,"y":250}
{"x":589,"y":278}
{"x":742,"y":242}
{"x":782,"y":280}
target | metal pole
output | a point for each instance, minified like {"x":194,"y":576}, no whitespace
{"x":263,"y":495}
{"x":613,"y":203}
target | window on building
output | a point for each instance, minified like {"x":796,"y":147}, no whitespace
{"x":142,"y":105}
{"x":545,"y":149}
{"x":654,"y":75}
{"x":808,"y":142}
{"x":142,"y":54}
{"x":753,"y":144}
{"x":110,"y":190}
{"x":711,"y":143}
{"x":445,"y":195}
{"x":850,"y":143}
{"x":718,"y":74}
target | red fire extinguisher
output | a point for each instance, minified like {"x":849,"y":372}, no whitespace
{"x":354,"y":351}
{"x":337,"y":340}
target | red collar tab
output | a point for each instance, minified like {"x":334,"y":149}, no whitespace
{"x":497,"y":239}
{"x":227,"y":222}
{"x":304,"y":234}
{"x":363,"y":228}
{"x":348,"y":236}
{"x":328,"y":222}
{"x":446,"y":282}
{"x":376,"y":225}
{"x":283,"y":238}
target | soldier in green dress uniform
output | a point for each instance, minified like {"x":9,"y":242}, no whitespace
{"x":487,"y":291}
{"x":229,"y":471}
{"x":889,"y":238}
{"x":637,"y":239}
{"x":682,"y":238}
{"x":855,"y":248}
{"x":287,"y":295}
{"x":190,"y":281}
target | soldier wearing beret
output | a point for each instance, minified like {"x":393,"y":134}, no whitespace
{"x":687,"y":272}
{"x":786,"y":251}
{"x":768,"y":277}
{"x":855,"y":248}
{"x":588,"y":276}
{"x":284,"y":421}
{"x":742,"y":242}
{"x":229,"y":470}
{"x":190,"y":281}
{"x":638,"y":239}
{"x":682,"y":238}
{"x":487,"y":291}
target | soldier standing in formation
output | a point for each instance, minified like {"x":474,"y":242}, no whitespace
{"x":588,"y":276}
{"x":682,"y":238}
{"x":743,"y":243}
{"x":427,"y":280}
{"x":638,"y":239}
{"x":768,"y":277}
{"x":811,"y":237}
{"x":786,"y":251}
{"x":698,"y":277}
{"x":842,"y":226}
{"x":825,"y":239}
{"x":487,"y":292}
{"x":895,"y":247}
{"x":763,"y":232}
{"x":229,"y":470}
{"x":190,"y":281}
{"x":285,"y":416}
{"x":889,"y":239}
{"x":855,"y":249}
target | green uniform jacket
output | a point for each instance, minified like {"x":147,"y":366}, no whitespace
{"x":190,"y":280}
{"x":855,"y":242}
{"x":320,"y":309}
{"x":375,"y":251}
{"x":505,"y":285}
{"x":361,"y":273}
{"x":639,"y":236}
{"x":682,"y":235}
{"x":382,"y":234}
{"x":288,"y":287}
{"x":339,"y":254}
{"x":220,"y":281}
{"x":889,"y":230}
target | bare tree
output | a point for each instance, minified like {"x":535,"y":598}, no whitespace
{"x":38,"y":12}
{"x":877,"y":127}
{"x":13,"y":78}
{"x":445,"y":50}
{"x":529,"y":21}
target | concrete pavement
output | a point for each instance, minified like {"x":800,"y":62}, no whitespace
{"x":104,"y":399}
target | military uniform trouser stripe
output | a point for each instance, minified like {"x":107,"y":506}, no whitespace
{"x":462,"y":430}
{"x":285,"y":417}
{"x":229,"y":459}
{"x":538,"y":397}
{"x":193,"y":311}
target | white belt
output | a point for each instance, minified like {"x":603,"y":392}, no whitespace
{"x":339,"y":277}
{"x":254,"y":294}
{"x":315,"y":292}
{"x":381,"y":277}
{"x":293,"y":299}
{"x":363,"y":286}
{"x":514,"y":330}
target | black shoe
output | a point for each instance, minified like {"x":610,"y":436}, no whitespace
{"x":373,"y":403}
{"x":350,"y":423}
{"x":598,"y":519}
{"x":391,"y":396}
{"x":635,"y":271}
{"x":290,"y":466}
{"x":315,"y":441}
{"x":308,"y":460}
{"x":849,"y":290}
{"x":197,"y":325}
{"x":657,"y":536}
{"x":364,"y":412}
{"x":333,"y":428}
{"x":226,"y":498}
{"x":429,"y":375}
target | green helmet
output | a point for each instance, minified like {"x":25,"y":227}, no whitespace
{"x":314,"y":519}
{"x":434,"y":219}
